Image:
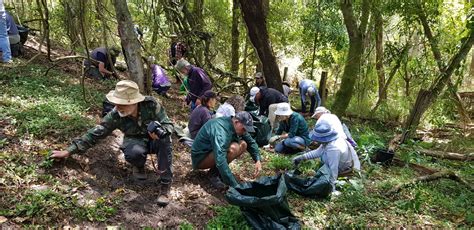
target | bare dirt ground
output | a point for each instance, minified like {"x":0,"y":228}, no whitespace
{"x":103,"y":171}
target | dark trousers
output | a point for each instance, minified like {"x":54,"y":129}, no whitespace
{"x":136,"y":151}
{"x":313,"y":105}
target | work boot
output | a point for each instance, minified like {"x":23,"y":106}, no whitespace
{"x":215,"y":179}
{"x":139,"y":173}
{"x":163,"y":198}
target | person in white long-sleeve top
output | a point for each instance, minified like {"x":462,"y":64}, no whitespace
{"x":323,"y":114}
{"x":334,"y":151}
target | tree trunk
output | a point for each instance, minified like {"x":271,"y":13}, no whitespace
{"x":379,"y":53}
{"x":356,"y":49}
{"x":130,"y":43}
{"x":255,"y":13}
{"x":425,"y":97}
{"x":244,"y":64}
{"x":314,"y":54}
{"x":448,"y":155}
{"x":322,"y":87}
{"x":234,"y":67}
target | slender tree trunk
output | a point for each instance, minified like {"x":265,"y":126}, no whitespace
{"x":314,"y":54}
{"x":130,"y":43}
{"x":356,"y":49}
{"x":379,"y":53}
{"x":255,"y":14}
{"x":234,"y":67}
{"x":244,"y":64}
{"x":425,"y":97}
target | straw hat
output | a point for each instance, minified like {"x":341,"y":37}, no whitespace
{"x":283,"y":109}
{"x":323,"y":132}
{"x":126,"y":93}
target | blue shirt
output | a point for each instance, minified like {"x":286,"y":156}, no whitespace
{"x":304,"y":86}
{"x":11,"y":25}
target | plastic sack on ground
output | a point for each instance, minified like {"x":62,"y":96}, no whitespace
{"x":317,"y":186}
{"x":264,"y":204}
{"x":263,"y":130}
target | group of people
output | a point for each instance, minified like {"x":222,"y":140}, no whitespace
{"x":216,"y":138}
{"x":9,"y":34}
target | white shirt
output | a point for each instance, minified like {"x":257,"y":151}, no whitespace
{"x":225,"y":110}
{"x":334,"y":121}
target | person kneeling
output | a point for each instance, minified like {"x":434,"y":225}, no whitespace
{"x":219,"y":142}
{"x":146,"y":128}
{"x":294,"y":125}
{"x":334,"y":151}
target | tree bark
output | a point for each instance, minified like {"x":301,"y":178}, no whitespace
{"x":448,"y":155}
{"x":314,"y":54}
{"x":379,"y":56}
{"x":130,"y":43}
{"x":431,"y":177}
{"x":356,"y":49}
{"x":425,"y":97}
{"x":322,"y":88}
{"x":234,"y":66}
{"x":255,"y":13}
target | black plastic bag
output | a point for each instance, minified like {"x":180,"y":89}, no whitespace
{"x":318,"y":186}
{"x":264,"y":204}
{"x":263,"y":130}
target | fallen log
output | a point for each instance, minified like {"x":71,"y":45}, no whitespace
{"x":431,"y":177}
{"x":447,"y":155}
{"x":419,"y":168}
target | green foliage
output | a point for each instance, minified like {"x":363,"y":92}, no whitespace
{"x":186,"y":226}
{"x":227,"y":217}
{"x":45,"y":106}
{"x":279,"y":162}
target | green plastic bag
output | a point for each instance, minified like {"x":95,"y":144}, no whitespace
{"x":318,"y":186}
{"x":264,"y":204}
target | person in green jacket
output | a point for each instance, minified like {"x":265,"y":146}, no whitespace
{"x":296,"y":136}
{"x":134,"y":114}
{"x":219,"y":142}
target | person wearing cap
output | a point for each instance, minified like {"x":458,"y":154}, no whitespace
{"x":198,"y":81}
{"x":202,"y":113}
{"x":267,"y":99}
{"x":101,"y":67}
{"x":294,"y":125}
{"x":132,"y":115}
{"x":233,"y":105}
{"x":259,"y":80}
{"x":308,"y":88}
{"x":323,"y":114}
{"x":160,"y":81}
{"x":334,"y":151}
{"x":219,"y":142}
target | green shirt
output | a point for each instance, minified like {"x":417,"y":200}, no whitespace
{"x":216,"y":136}
{"x":295,"y":126}
{"x":148,"y":110}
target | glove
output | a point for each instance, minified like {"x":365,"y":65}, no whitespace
{"x":297,"y":160}
{"x":274,"y":139}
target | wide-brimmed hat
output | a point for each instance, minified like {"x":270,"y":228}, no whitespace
{"x":246,"y":119}
{"x":253,"y":93}
{"x":126,"y":93}
{"x":323,"y":132}
{"x":283,"y":109}
{"x":320,"y":109}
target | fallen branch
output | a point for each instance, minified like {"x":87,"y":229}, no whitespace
{"x":431,"y":177}
{"x":448,"y":155}
{"x":419,"y":168}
